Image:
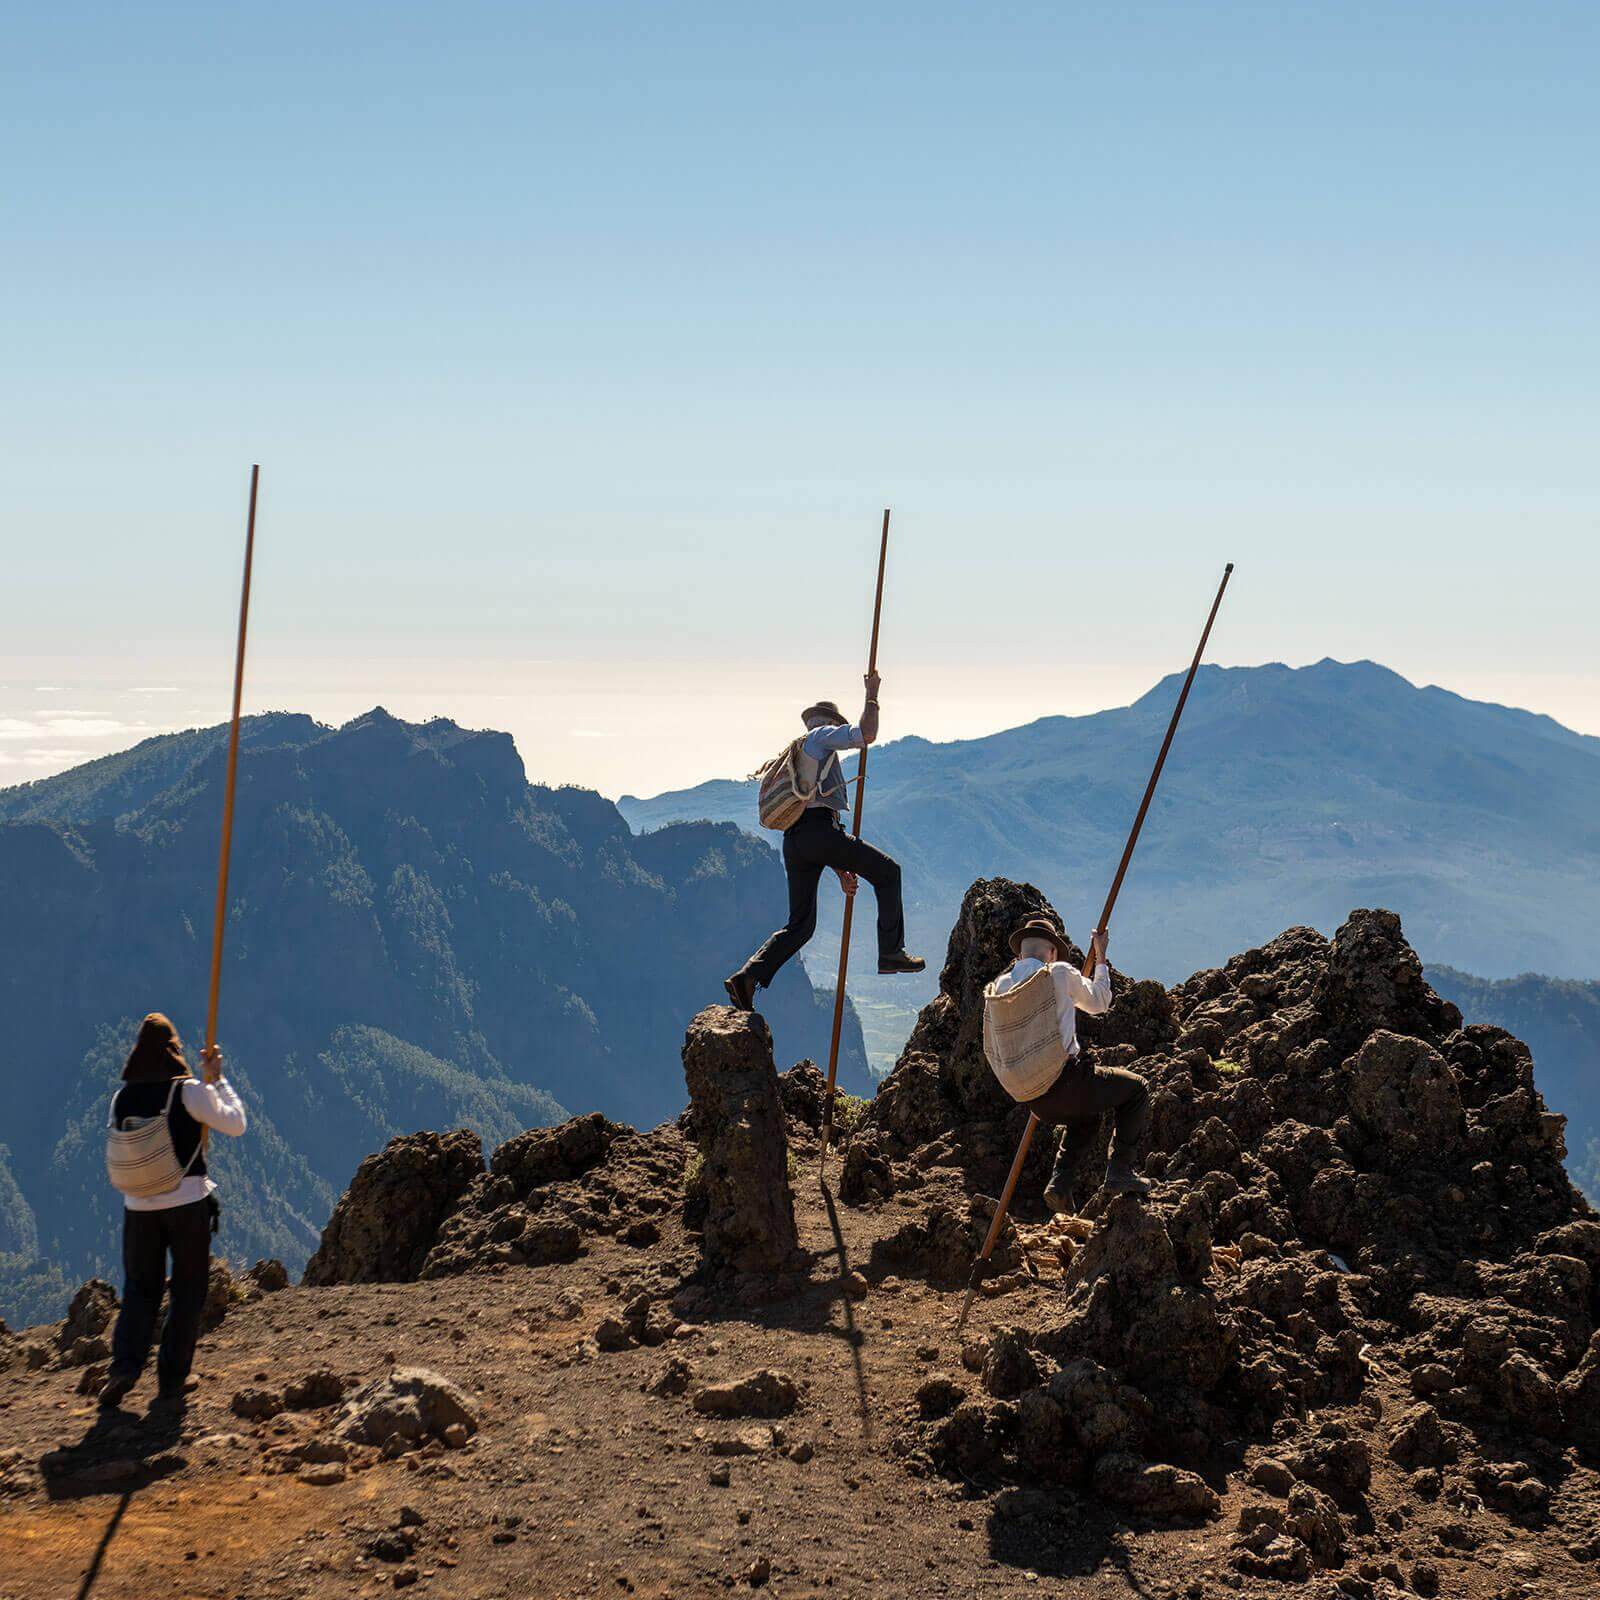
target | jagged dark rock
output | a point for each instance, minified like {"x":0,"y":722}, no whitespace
{"x":547,"y":1190}
{"x":736,"y":1115}
{"x":385,"y":1223}
{"x":88,"y":1320}
{"x":268,"y":1276}
{"x":1337,"y":1162}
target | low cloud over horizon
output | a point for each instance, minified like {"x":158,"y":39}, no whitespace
{"x":646,"y":727}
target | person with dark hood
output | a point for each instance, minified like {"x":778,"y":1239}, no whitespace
{"x":817,"y":839}
{"x":156,"y":1158}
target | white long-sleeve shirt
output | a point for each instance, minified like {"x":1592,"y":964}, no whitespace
{"x":1074,"y":993}
{"x":218,"y":1106}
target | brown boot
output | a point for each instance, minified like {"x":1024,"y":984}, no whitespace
{"x":899,"y":961}
{"x":741,"y":989}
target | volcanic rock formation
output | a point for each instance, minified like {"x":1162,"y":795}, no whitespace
{"x":1343,"y":1175}
{"x":1346,"y":1179}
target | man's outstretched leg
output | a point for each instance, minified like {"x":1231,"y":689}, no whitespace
{"x":883,"y":873}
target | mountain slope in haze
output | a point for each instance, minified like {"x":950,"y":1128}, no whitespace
{"x":1290,"y":794}
{"x":417,"y":937}
{"x":116,"y":785}
{"x":1559,"y":1020}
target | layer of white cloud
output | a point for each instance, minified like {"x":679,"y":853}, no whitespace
{"x":87,"y":725}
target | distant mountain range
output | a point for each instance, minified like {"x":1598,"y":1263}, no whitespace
{"x":1290,"y":795}
{"x":417,"y":937}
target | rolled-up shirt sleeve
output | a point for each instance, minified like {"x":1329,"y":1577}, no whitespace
{"x":1093,"y":999}
{"x":215,"y":1104}
{"x":843,"y":736}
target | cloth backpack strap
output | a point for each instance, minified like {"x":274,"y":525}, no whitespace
{"x":200,"y":1143}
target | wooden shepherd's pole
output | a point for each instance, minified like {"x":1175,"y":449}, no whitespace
{"x":1101,"y":927}
{"x":220,"y":923}
{"x":850,"y":900}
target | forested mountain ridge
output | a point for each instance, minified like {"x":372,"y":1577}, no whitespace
{"x":417,"y":936}
{"x":1559,"y":1020}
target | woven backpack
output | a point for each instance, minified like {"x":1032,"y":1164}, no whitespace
{"x":1022,"y":1035}
{"x":782,"y":800}
{"x":140,"y":1160}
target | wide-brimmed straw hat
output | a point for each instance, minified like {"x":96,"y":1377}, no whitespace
{"x":825,"y":708}
{"x":1038,"y":928}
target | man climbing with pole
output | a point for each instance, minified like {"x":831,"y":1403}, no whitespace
{"x":1097,"y":949}
{"x":1030,"y":1039}
{"x":803,"y":791}
{"x":156,"y":1140}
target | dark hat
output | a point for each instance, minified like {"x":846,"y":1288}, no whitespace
{"x":1038,"y":928}
{"x":825,"y":708}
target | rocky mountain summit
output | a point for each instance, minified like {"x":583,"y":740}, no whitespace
{"x":1347,"y":1348}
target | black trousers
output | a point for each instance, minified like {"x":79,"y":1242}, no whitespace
{"x":1082,"y":1095}
{"x":815,"y":842}
{"x":148,"y":1238}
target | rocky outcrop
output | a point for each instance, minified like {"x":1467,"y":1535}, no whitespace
{"x":385,"y":1223}
{"x":86,"y":1332}
{"x":736,"y":1119}
{"x":1338,"y":1163}
{"x":549,"y":1189}
{"x":1353,"y":1194}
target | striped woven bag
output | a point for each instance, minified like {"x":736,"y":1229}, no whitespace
{"x":140,"y":1160}
{"x":1022,"y":1036}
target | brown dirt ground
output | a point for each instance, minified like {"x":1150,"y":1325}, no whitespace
{"x":581,"y":1484}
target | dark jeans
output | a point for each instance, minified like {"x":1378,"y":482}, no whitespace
{"x":817,"y":841}
{"x":148,"y":1237}
{"x":1082,"y":1095}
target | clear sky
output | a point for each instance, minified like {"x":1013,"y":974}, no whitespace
{"x":582,"y":346}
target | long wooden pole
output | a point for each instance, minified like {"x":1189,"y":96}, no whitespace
{"x":219,"y":925}
{"x":993,"y":1236}
{"x":850,"y":899}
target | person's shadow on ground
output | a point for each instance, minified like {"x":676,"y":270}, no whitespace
{"x":120,"y":1454}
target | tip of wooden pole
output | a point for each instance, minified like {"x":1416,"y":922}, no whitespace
{"x":1227,"y":569}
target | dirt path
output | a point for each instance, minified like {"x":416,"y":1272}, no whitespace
{"x":583,"y":1483}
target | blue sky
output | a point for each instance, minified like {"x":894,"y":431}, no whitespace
{"x":583,"y":345}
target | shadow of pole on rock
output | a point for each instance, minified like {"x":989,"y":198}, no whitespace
{"x":92,"y":1572}
{"x":850,"y":1333}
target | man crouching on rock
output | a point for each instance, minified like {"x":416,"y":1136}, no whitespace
{"x":1030,"y":1036}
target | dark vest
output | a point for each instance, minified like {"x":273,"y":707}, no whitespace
{"x":146,"y":1100}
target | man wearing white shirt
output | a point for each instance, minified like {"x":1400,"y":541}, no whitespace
{"x":177,"y":1223}
{"x":1082,"y":1094}
{"x":819,"y":840}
